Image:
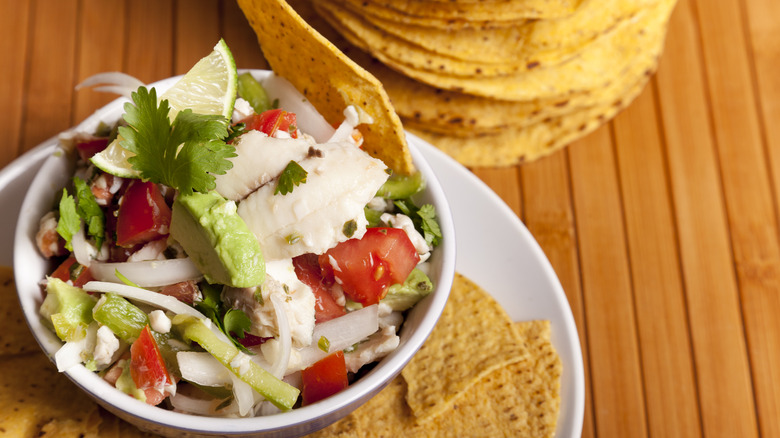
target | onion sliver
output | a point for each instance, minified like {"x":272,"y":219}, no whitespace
{"x":244,"y":395}
{"x":152,"y":273}
{"x":285,"y":338}
{"x":115,"y":82}
{"x":341,"y":332}
{"x":146,"y":296}
{"x":306,"y":115}
{"x":202,"y":368}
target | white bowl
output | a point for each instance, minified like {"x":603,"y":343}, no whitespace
{"x":30,"y":267}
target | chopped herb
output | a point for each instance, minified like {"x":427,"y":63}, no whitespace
{"x":124,"y":279}
{"x":236,"y":323}
{"x":349,"y":228}
{"x":69,"y":223}
{"x":424,"y":219}
{"x":89,"y":210}
{"x":292,"y":175}
{"x":324,"y":344}
{"x":184,"y":154}
{"x":234,"y":131}
{"x":258,"y":295}
{"x":228,"y":321}
{"x":293,"y":238}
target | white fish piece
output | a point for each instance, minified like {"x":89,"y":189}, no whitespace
{"x":260,"y":159}
{"x":341,"y":180}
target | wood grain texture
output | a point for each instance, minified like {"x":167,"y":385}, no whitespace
{"x":663,"y":226}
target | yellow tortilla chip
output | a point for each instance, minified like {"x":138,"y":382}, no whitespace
{"x":330,"y":80}
{"x":519,"y":400}
{"x":516,"y":145}
{"x":15,"y":337}
{"x":595,"y":66}
{"x":36,"y":401}
{"x":474,"y":336}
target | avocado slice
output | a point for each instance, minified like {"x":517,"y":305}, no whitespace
{"x":217,"y":240}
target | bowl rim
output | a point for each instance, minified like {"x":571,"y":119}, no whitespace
{"x":306,"y":418}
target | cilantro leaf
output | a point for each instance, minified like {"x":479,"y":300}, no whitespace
{"x":429,"y":225}
{"x":236,"y":323}
{"x":69,"y":222}
{"x":292,"y":175}
{"x":424,"y":219}
{"x":89,"y":210}
{"x":184,"y":154}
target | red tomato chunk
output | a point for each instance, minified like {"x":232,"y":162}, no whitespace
{"x":271,"y":121}
{"x":147,"y":367}
{"x":308,"y":270}
{"x":143,"y":215}
{"x":326,"y":377}
{"x":366,"y":267}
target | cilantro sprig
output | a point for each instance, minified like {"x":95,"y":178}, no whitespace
{"x":292,"y":176}
{"x":83,"y":207}
{"x":232,"y":322}
{"x":184,"y":154}
{"x":424,"y":219}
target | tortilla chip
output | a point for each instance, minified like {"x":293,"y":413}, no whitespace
{"x":330,"y":80}
{"x":36,"y":401}
{"x":515,"y":145}
{"x":520,"y":43}
{"x":595,"y":66}
{"x":478,"y":12}
{"x":15,"y":337}
{"x":538,"y":381}
{"x":473,"y":337}
{"x":519,"y":400}
{"x":533,"y":51}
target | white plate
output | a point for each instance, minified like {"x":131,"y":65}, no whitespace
{"x":495,"y":250}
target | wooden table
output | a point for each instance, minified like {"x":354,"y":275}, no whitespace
{"x":662,"y":225}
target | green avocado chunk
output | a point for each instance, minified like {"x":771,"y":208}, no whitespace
{"x":67,"y":309}
{"x":217,"y":240}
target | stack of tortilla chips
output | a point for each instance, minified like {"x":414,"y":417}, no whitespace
{"x":497,"y":82}
{"x":478,"y":374}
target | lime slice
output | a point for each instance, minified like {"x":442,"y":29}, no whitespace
{"x":113,"y":160}
{"x":209,"y":87}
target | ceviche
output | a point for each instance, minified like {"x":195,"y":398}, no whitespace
{"x":212,"y":257}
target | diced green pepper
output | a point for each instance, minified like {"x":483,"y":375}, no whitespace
{"x":281,"y":394}
{"x":67,"y":309}
{"x":122,"y":317}
{"x":252,"y":91}
{"x":401,"y":186}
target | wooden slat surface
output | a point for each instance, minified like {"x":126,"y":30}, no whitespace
{"x":662,"y":225}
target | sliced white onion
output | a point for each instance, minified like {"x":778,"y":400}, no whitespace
{"x":69,"y":355}
{"x":82,"y":250}
{"x":145,"y":296}
{"x":344,"y":131}
{"x":202,"y":368}
{"x":285,"y":338}
{"x":150,"y":273}
{"x":341,"y":332}
{"x":184,"y":403}
{"x":113,"y":82}
{"x":244,"y":395}
{"x":307,"y":117}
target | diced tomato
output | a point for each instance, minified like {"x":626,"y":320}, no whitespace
{"x":147,"y":367}
{"x":90,"y":145}
{"x":184,"y":291}
{"x":308,"y":270}
{"x":271,"y":121}
{"x":326,"y":377}
{"x":71,"y":270}
{"x":366,"y":267}
{"x":143,"y":215}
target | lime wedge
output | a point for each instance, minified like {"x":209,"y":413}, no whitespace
{"x":113,"y":160}
{"x":209,"y":87}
